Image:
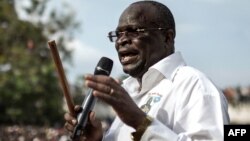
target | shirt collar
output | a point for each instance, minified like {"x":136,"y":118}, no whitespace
{"x":168,"y":65}
{"x":164,"y":68}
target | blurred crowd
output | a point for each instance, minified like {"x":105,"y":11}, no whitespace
{"x":39,"y":133}
{"x":32,"y":133}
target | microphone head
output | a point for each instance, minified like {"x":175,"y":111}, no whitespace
{"x":104,"y":66}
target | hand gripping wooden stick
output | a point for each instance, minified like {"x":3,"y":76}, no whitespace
{"x":62,"y":78}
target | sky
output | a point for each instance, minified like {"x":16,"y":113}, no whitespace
{"x":212,"y":35}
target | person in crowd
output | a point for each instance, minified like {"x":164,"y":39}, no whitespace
{"x":163,"y":99}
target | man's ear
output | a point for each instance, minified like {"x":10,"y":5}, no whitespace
{"x":170,"y":35}
{"x":169,"y":40}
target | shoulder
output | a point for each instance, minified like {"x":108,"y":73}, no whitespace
{"x":194,"y":79}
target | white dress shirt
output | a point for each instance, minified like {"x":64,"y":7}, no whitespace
{"x":184,"y":103}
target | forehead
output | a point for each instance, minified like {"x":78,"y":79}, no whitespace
{"x":137,"y":16}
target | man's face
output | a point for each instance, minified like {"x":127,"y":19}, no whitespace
{"x":137,"y":51}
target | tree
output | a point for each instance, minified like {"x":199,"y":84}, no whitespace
{"x":29,"y":88}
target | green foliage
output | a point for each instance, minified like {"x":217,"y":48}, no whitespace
{"x":29,"y":88}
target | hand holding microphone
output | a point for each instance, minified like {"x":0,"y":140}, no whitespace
{"x":103,"y":67}
{"x":107,"y":89}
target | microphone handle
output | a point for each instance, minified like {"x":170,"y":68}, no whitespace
{"x":82,"y":117}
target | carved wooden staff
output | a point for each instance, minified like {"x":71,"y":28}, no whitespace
{"x":62,"y":78}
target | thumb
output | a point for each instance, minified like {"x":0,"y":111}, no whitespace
{"x":93,"y":120}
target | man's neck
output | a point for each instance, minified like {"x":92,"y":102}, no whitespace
{"x":140,"y":83}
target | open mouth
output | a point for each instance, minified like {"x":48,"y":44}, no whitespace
{"x":128,"y":57}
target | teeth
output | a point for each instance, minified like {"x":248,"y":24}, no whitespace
{"x":125,"y":58}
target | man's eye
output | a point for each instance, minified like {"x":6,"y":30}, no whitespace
{"x":119,"y":33}
{"x":132,"y":30}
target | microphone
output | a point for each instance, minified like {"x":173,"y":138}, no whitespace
{"x":103,"y":67}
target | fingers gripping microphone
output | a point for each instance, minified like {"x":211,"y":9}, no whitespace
{"x":103,"y":67}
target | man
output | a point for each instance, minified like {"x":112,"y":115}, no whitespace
{"x":163,"y":99}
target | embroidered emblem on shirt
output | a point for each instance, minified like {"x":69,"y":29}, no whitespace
{"x":152,"y":99}
{"x":146,"y":107}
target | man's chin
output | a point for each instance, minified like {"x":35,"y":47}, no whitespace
{"x":129,"y":70}
{"x":132,"y":70}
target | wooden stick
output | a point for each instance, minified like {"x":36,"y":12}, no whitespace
{"x":62,"y":78}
